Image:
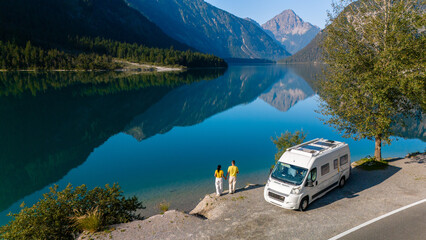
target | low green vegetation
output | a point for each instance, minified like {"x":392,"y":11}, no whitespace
{"x":163,"y":206}
{"x":63,"y":214}
{"x":287,"y":140}
{"x":370,"y":164}
{"x":90,"y":221}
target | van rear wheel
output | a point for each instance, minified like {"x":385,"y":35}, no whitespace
{"x":304,"y":204}
{"x":342,"y":182}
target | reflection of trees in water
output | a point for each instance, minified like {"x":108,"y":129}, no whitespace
{"x":96,"y":83}
{"x":42,"y":137}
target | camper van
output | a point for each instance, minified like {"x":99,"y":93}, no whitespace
{"x":306,"y":172}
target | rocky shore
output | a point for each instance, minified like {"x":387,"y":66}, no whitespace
{"x":246,"y":215}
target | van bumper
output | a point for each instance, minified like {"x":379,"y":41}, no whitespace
{"x":290,"y":201}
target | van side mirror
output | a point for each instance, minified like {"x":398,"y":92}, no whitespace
{"x":309,"y":183}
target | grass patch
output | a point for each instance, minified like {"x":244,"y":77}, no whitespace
{"x":163,"y":206}
{"x":238,"y":198}
{"x":90,"y":221}
{"x":370,"y":164}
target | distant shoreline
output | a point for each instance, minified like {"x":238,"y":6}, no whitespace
{"x":128,"y":67}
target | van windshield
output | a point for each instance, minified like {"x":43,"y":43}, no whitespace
{"x":289,"y":173}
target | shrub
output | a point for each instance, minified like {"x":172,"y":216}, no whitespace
{"x":287,"y":140}
{"x":163,"y":206}
{"x":57,"y":214}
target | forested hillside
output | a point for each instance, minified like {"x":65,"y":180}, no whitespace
{"x":52,"y":22}
{"x":86,"y":34}
{"x":97,"y":54}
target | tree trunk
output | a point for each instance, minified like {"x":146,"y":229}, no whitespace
{"x":378,"y":148}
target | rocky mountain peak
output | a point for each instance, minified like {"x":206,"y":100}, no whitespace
{"x":290,"y":30}
{"x":287,"y":22}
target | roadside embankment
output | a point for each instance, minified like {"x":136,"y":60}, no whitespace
{"x":246,"y":215}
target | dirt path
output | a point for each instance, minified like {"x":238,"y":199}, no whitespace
{"x":246,"y":215}
{"x":131,"y":66}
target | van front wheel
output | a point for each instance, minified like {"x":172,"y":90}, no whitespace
{"x":304,"y":204}
{"x":342,"y":182}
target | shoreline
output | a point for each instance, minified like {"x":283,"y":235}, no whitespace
{"x":367,"y":194}
{"x":128,"y":67}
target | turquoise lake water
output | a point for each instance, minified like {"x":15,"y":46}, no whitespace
{"x":162,"y":142}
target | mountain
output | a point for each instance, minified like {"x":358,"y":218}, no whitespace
{"x":192,"y":104}
{"x":209,"y":29}
{"x":291,"y":31}
{"x":252,"y":21}
{"x":51,"y":22}
{"x":312,"y":53}
{"x":287,"y":92}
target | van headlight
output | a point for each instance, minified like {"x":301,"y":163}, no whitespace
{"x":295,"y":190}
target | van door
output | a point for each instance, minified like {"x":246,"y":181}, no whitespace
{"x":312,"y":175}
{"x":335,"y":169}
{"x":344,"y":165}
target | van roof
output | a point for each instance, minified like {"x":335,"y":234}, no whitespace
{"x":315,"y":147}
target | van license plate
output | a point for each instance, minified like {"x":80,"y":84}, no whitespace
{"x":276,"y":196}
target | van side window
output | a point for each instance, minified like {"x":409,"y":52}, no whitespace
{"x":313,"y":175}
{"x":335,"y":163}
{"x":325,"y":169}
{"x":343,"y":159}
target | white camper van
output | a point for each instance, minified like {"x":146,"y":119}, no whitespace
{"x":306,"y":172}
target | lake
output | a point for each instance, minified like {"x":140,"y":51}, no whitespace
{"x":161,"y":136}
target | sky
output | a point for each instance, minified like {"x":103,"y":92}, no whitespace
{"x":313,"y":11}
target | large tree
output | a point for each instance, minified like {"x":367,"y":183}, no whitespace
{"x":374,"y":51}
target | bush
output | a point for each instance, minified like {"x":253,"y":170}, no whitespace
{"x":287,"y":140}
{"x":163,"y":206}
{"x":63,"y":214}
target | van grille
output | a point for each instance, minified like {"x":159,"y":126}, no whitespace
{"x":276,"y":196}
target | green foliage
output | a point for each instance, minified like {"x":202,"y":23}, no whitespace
{"x":15,"y":57}
{"x":375,"y":76}
{"x":97,"y":54}
{"x":287,"y":140}
{"x":90,"y":221}
{"x":370,"y":164}
{"x":142,"y":54}
{"x":163,"y":206}
{"x":55,"y":215}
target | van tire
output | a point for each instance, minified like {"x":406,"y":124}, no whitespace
{"x":304,"y":204}
{"x":342,"y":182}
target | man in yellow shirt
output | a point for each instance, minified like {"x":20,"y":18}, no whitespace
{"x":232,"y":173}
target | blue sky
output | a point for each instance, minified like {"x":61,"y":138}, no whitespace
{"x":313,"y":11}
